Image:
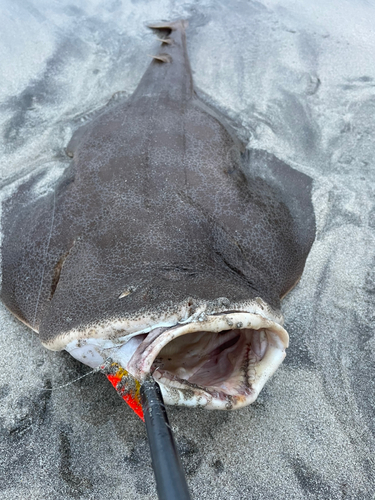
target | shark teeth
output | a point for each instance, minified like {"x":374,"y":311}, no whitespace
{"x":217,"y":361}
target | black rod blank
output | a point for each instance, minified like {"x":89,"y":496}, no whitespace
{"x":170,"y":478}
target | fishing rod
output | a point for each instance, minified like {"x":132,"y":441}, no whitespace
{"x":169,"y":474}
{"x":147,"y":402}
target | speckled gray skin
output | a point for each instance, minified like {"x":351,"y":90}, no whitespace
{"x":155,"y":202}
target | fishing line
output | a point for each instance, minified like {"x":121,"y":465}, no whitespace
{"x":44,"y":259}
{"x":95,"y":370}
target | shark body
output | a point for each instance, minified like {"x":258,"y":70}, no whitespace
{"x":165,"y":246}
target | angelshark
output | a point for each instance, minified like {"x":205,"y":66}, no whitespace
{"x":165,"y":247}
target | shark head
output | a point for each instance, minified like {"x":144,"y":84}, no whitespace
{"x":213,"y":360}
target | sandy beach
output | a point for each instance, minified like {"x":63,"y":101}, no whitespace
{"x":298,"y":79}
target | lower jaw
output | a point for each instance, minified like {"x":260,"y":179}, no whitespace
{"x":139,"y":354}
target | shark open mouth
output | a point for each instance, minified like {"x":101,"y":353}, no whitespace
{"x":220,"y":361}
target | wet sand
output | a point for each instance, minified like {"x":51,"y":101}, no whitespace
{"x":299,"y":79}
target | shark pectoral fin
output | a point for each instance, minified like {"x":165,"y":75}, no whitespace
{"x":292,"y":187}
{"x":32,"y":257}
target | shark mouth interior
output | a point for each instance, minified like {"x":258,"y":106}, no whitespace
{"x":223,"y":363}
{"x":220,"y":362}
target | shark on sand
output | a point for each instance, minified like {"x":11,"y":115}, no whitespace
{"x":165,"y":247}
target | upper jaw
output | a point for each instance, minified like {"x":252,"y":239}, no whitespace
{"x":218,"y":361}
